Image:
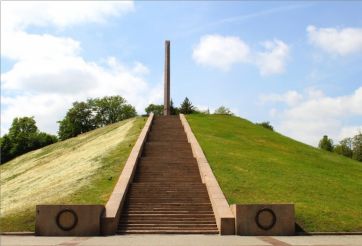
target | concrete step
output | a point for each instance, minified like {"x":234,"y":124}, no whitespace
{"x":168,"y":231}
{"x":167,"y":194}
{"x":166,"y":226}
{"x":160,"y":159}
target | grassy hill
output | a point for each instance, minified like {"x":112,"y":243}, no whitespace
{"x":255,"y":165}
{"x":80,"y":170}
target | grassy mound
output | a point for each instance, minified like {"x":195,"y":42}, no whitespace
{"x":256,"y":165}
{"x":80,"y":170}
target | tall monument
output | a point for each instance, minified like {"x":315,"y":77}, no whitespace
{"x":166,"y":104}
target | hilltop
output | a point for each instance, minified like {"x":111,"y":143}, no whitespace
{"x":256,"y":165}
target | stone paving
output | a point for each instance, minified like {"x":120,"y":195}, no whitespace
{"x":178,"y":240}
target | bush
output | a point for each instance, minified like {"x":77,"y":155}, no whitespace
{"x":357,"y":147}
{"x":326,"y":143}
{"x":266,"y":125}
{"x":157,"y":110}
{"x":223,"y":110}
{"x":344,"y":147}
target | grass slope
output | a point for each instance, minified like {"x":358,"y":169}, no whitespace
{"x":80,"y":170}
{"x":256,"y":165}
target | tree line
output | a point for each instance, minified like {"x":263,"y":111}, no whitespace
{"x":94,"y":113}
{"x":350,"y":147}
{"x":24,"y":135}
{"x":186,"y":107}
{"x":83,"y":116}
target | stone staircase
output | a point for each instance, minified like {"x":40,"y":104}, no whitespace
{"x":167,"y":194}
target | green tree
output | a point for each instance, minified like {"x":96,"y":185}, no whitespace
{"x":266,"y":124}
{"x":110,"y":109}
{"x":344,"y":147}
{"x":357,"y":147}
{"x":187,"y":107}
{"x":5,"y":147}
{"x":156,"y":109}
{"x":326,"y":143}
{"x":94,"y":113}
{"x":22,"y":134}
{"x":223,"y":110}
{"x":79,"y":119}
{"x":43,"y":139}
{"x":23,"y":137}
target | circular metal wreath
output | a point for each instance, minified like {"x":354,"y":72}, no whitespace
{"x":67,"y":228}
{"x":271,"y":225}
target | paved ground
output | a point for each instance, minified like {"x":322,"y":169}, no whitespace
{"x":178,"y":240}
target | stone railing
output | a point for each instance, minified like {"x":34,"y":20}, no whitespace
{"x":113,"y":208}
{"x":225,"y":219}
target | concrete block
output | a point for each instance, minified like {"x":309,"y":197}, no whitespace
{"x":68,"y":220}
{"x":227,"y":226}
{"x":264,"y":219}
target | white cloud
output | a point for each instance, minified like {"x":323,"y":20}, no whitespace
{"x":47,"y":95}
{"x":273,"y":112}
{"x":19,"y":15}
{"x":349,"y":131}
{"x":309,"y":119}
{"x":290,"y":98}
{"x":273,"y":60}
{"x":49,"y":73}
{"x":24,"y":46}
{"x":220,"y":51}
{"x":336,"y":41}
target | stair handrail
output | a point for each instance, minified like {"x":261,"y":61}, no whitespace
{"x":225,"y":219}
{"x":113,"y":208}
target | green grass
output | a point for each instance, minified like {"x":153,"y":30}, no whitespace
{"x":81,"y":170}
{"x":255,"y":165}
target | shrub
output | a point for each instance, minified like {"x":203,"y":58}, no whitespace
{"x":266,"y":125}
{"x":223,"y":110}
{"x":326,"y":143}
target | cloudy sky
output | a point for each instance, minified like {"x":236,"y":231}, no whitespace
{"x":295,"y":64}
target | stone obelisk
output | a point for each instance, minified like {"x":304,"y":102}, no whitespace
{"x":166,"y":105}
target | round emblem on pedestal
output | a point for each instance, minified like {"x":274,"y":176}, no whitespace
{"x":265,"y":219}
{"x":67,"y":219}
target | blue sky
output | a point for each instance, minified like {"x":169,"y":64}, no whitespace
{"x":295,"y":64}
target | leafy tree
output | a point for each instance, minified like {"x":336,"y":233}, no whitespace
{"x":266,"y":124}
{"x":23,"y":137}
{"x":326,"y":143}
{"x":94,"y":113}
{"x":357,"y":147}
{"x":22,"y":134}
{"x":44,"y":139}
{"x":187,"y":107}
{"x":109,"y":110}
{"x":79,"y":119}
{"x":344,"y":147}
{"x":223,"y":110}
{"x":156,"y":109}
{"x":5,"y":146}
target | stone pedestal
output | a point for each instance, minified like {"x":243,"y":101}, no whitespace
{"x":68,"y":220}
{"x":264,"y":219}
